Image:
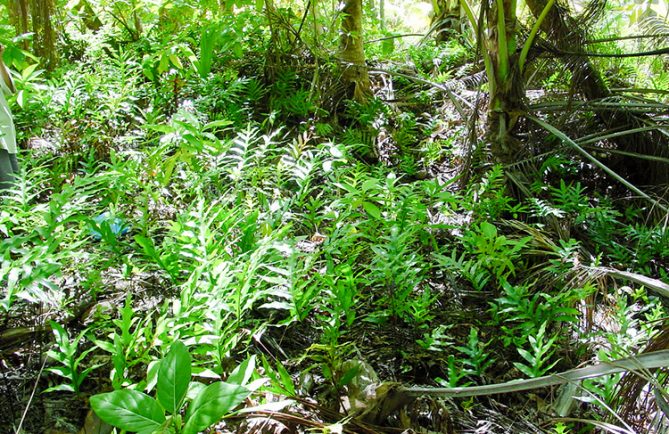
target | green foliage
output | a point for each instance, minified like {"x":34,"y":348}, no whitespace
{"x":128,"y":344}
{"x":522,"y":314}
{"x":436,"y":340}
{"x":398,"y":272}
{"x":477,"y":360}
{"x":488,"y":256}
{"x":455,"y":372}
{"x":496,"y":251}
{"x":256,"y":205}
{"x":135,"y":411}
{"x":488,"y":199}
{"x":340,"y":300}
{"x":436,"y":59}
{"x":538,"y":358}
{"x":67,"y":354}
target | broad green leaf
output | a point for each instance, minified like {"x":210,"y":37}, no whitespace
{"x":370,"y":184}
{"x":526,"y":355}
{"x":164,"y":63}
{"x":176,"y":61}
{"x":286,"y":380}
{"x":221,"y":123}
{"x":372,"y":209}
{"x":26,"y":73}
{"x":524,"y":369}
{"x":129,"y":410}
{"x":212,"y":404}
{"x":242,"y":373}
{"x":489,"y":230}
{"x":168,"y":169}
{"x":62,"y":371}
{"x":194,"y":389}
{"x":388,"y":46}
{"x":173,"y":378}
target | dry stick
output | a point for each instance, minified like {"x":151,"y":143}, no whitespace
{"x":655,"y":285}
{"x":639,"y":90}
{"x":406,"y":35}
{"x":652,"y":360}
{"x":562,"y":136}
{"x":627,"y":154}
{"x":30,"y":400}
{"x":595,"y":139}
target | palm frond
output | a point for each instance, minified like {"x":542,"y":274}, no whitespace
{"x":565,"y":139}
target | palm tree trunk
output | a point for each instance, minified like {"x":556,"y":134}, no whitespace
{"x":447,"y":19}
{"x":18,"y":15}
{"x":506,"y":85}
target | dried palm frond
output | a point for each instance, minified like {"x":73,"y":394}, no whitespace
{"x":566,"y":140}
{"x":640,"y":395}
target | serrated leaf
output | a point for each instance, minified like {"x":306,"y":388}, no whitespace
{"x":173,"y":378}
{"x":129,"y":410}
{"x":212,"y":404}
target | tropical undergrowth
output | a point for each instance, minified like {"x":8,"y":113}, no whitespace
{"x":168,"y":204}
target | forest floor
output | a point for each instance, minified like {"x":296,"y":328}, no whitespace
{"x":345,"y":257}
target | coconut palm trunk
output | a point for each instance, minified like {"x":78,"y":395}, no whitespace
{"x":506,"y":86}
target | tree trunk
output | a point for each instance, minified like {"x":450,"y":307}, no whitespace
{"x":44,"y":37}
{"x":18,"y":14}
{"x":506,"y":85}
{"x":351,"y":53}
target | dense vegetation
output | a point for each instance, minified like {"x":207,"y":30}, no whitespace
{"x":260,"y":216}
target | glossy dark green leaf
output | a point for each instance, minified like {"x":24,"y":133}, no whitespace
{"x":213,"y":402}
{"x":173,"y":378}
{"x":129,"y":410}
